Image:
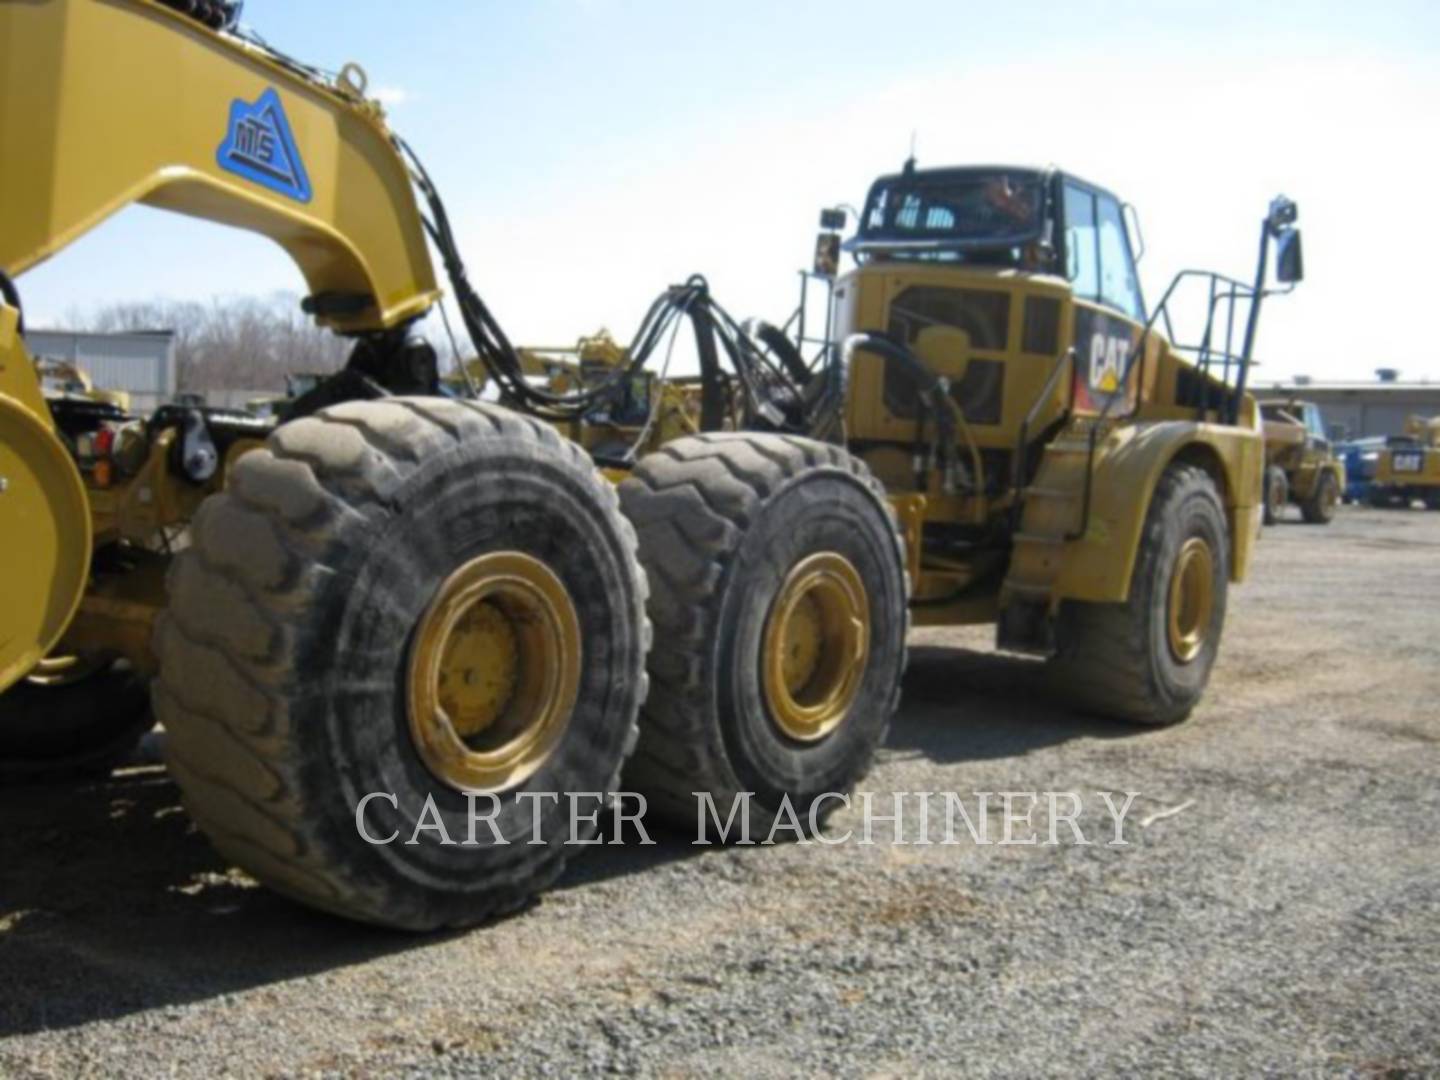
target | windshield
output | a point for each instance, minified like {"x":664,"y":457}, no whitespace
{"x":989,"y":209}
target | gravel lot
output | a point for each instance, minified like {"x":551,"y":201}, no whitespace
{"x":1286,"y":920}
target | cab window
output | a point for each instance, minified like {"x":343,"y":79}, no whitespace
{"x":1081,"y":245}
{"x":1100,"y":265}
{"x":1119,"y":286}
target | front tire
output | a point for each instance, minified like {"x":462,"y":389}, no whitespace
{"x":1319,"y":509}
{"x":779,"y":598}
{"x":1277,"y":494}
{"x":1149,"y":659}
{"x":413,"y":598}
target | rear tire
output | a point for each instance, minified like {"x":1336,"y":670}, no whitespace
{"x":1432,"y":499}
{"x":286,"y":656}
{"x":1319,"y":509}
{"x":728,"y":523}
{"x":78,"y":728}
{"x":1124,"y":660}
{"x":1277,"y":494}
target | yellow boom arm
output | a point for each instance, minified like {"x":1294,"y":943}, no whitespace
{"x":104,"y":103}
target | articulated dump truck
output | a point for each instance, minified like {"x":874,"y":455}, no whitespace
{"x":1301,"y":465}
{"x":1407,"y":467}
{"x":422,"y":607}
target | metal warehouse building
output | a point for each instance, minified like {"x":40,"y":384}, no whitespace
{"x":1362,"y":408}
{"x":141,"y":363}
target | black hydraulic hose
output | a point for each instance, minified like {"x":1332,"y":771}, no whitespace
{"x":712,"y":384}
{"x":12,"y":297}
{"x":774,"y":339}
{"x":690,"y":300}
{"x":491,"y":344}
{"x":927,"y":383}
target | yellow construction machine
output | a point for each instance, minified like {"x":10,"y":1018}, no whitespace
{"x":403,"y":643}
{"x":1301,"y":465}
{"x":633,"y":415}
{"x":1407,"y":467}
{"x":62,"y":380}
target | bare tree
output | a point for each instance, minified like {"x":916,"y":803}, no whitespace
{"x":230,"y":343}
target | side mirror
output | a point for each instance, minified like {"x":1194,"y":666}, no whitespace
{"x":832,"y":220}
{"x":1289,"y":263}
{"x":1283,"y":212}
{"x":827,"y":255}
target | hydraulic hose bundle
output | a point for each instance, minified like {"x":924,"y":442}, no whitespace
{"x":216,"y":14}
{"x":767,"y":392}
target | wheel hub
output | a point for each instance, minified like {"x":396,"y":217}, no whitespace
{"x":816,"y":643}
{"x":1192,"y":599}
{"x":494,"y":672}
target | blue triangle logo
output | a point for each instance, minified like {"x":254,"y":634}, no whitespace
{"x":260,"y":146}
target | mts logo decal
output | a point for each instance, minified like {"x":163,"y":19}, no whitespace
{"x":260,"y":147}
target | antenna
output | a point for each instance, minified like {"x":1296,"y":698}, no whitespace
{"x":910,"y":161}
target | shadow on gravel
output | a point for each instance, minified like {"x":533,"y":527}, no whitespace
{"x":111,"y":903}
{"x":963,"y":705}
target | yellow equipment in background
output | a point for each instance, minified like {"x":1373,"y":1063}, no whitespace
{"x":1408,"y":466}
{"x":402,"y":611}
{"x":1301,"y":465}
{"x":60,"y":378}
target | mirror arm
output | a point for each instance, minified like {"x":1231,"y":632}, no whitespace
{"x":1133,"y":215}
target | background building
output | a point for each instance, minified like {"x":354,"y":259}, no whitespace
{"x":1361,"y":408}
{"x":141,"y":363}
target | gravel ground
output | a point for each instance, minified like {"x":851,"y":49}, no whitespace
{"x":1283,"y":917}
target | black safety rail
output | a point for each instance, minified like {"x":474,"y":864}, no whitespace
{"x":1278,"y":227}
{"x":1222,"y":358}
{"x":796,"y":324}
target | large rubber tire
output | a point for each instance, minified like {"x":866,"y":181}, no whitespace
{"x":77,"y":729}
{"x":1116,"y":659}
{"x":1277,"y":494}
{"x":284,"y":653}
{"x":722,"y":520}
{"x":1319,"y":508}
{"x":1432,"y":499}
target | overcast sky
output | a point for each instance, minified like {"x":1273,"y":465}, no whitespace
{"x":593,"y":151}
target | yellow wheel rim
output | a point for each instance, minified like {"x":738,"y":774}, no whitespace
{"x":1192,"y":599}
{"x":817,"y":639}
{"x":494,"y":672}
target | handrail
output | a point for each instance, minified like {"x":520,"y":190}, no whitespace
{"x":1255,"y":292}
{"x":1017,"y":466}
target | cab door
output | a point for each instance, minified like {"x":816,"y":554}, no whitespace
{"x":1109,"y":308}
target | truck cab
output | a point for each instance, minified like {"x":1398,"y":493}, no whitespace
{"x":1016,"y":290}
